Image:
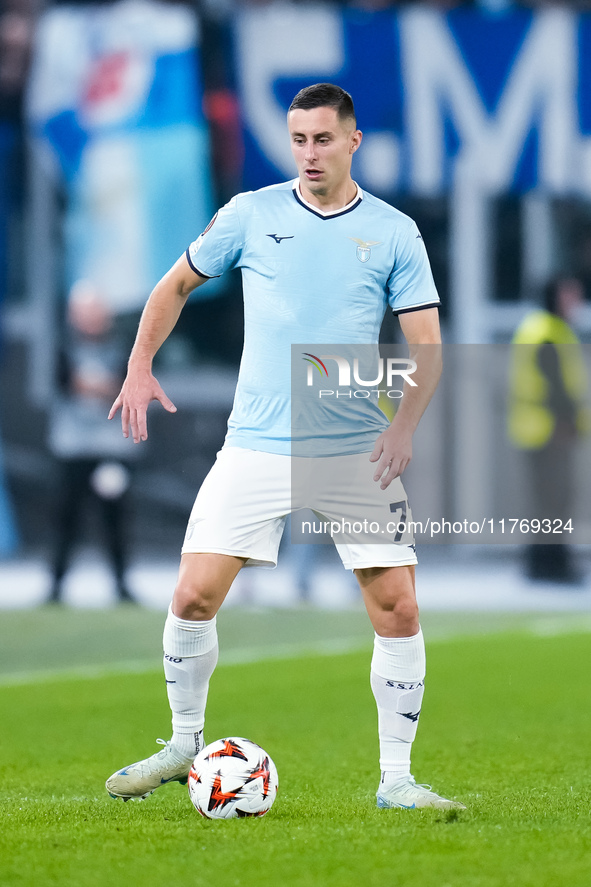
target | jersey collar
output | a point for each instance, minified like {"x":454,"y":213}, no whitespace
{"x":332,"y":214}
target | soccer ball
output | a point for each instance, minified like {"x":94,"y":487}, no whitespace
{"x":232,"y":778}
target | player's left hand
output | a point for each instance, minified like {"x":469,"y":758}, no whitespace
{"x":392,"y":452}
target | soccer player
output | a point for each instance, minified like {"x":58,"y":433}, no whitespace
{"x":321,"y":260}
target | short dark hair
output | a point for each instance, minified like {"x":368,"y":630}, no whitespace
{"x":325,"y":95}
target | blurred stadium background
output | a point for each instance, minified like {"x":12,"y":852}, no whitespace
{"x":123,"y":125}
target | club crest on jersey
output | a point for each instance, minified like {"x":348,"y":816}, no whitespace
{"x":364,"y":248}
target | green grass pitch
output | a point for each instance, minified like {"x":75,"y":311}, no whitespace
{"x":505,"y":728}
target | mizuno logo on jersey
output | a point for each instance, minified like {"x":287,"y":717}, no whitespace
{"x":277,"y":238}
{"x":364,"y":248}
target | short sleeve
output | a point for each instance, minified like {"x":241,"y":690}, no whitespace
{"x":411,"y":285}
{"x":220,"y":246}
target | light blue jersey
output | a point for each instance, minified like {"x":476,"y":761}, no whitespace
{"x":309,"y":277}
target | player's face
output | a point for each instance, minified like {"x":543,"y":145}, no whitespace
{"x":322,"y":146}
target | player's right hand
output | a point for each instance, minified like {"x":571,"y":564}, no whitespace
{"x":137,"y":393}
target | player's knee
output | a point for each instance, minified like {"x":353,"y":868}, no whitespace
{"x":203,"y":583}
{"x":195,"y":599}
{"x":406,"y":611}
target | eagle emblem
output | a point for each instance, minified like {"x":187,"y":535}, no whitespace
{"x":364,"y":248}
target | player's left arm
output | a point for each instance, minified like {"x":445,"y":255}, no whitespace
{"x":393,"y":449}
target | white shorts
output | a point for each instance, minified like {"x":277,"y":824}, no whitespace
{"x":245,"y":499}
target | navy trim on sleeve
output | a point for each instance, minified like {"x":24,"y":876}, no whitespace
{"x":417,"y":308}
{"x":197,"y":271}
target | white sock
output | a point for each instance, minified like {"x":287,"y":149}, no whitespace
{"x":190,"y":657}
{"x":397,"y":682}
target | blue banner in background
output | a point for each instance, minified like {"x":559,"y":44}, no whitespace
{"x":115,"y":101}
{"x":502,"y":99}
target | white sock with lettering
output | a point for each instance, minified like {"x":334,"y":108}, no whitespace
{"x":190,"y":657}
{"x":398,"y":683}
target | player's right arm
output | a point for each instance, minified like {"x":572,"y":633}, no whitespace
{"x":158,"y":319}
